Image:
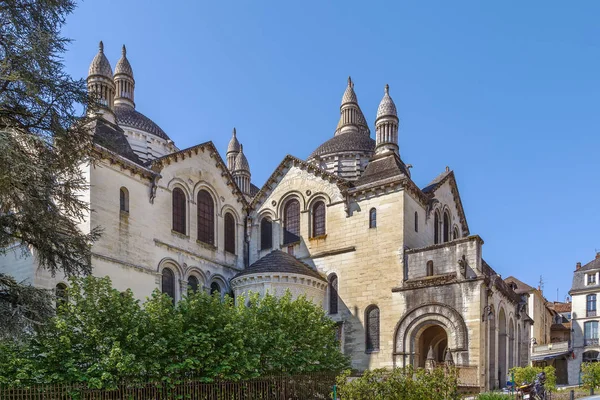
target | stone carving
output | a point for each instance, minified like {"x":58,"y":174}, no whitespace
{"x":462,"y":265}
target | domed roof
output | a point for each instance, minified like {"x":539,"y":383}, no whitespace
{"x":278,"y":261}
{"x":346,"y":142}
{"x":241,"y":162}
{"x":387,"y":106}
{"x":100,"y":64}
{"x":349,"y":95}
{"x":123,"y":66}
{"x":234,"y":145}
{"x":128,"y":116}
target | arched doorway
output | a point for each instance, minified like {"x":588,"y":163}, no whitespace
{"x":431,"y":337}
{"x":502,"y":347}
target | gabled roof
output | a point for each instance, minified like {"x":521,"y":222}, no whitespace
{"x":158,"y":163}
{"x":382,"y":167}
{"x":311,"y":168}
{"x":562,"y":307}
{"x":448,"y":176}
{"x":521,"y":287}
{"x":278,"y":261}
{"x":111,"y":137}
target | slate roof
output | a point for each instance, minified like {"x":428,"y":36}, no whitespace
{"x":129,"y":116}
{"x":579,"y":275}
{"x":346,"y":142}
{"x":253,"y":189}
{"x":112,"y":137}
{"x":521,"y":287}
{"x":382,"y":167}
{"x":278,"y":261}
{"x":435,"y":182}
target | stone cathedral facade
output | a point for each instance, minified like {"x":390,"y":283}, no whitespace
{"x":394,"y":264}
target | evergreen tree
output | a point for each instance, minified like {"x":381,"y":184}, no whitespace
{"x":43,"y":143}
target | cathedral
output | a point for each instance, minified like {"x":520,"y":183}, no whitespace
{"x":393,"y":264}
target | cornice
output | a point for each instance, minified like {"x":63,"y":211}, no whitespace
{"x":114,"y":158}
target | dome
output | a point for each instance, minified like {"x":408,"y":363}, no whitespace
{"x":234,"y":145}
{"x":387,"y":106}
{"x":241,"y":162}
{"x":128,"y":116}
{"x":346,"y":142}
{"x":280,"y":262}
{"x":349,"y":95}
{"x":123,"y":66}
{"x":100,"y":64}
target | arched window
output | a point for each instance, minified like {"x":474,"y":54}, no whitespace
{"x":215,"y":288}
{"x":318,"y":219}
{"x":333,"y":294}
{"x":168,"y":282}
{"x":416,"y":221}
{"x":60,"y":291}
{"x":193,"y":283}
{"x":436,"y":227}
{"x":179,"y":211}
{"x":206,"y":218}
{"x":429,"y":268}
{"x":373,"y":218}
{"x":266,"y":234}
{"x":455,"y":235}
{"x":124,"y":199}
{"x":229,"y":233}
{"x":446,"y":227}
{"x":372,"y":328}
{"x":291,"y":222}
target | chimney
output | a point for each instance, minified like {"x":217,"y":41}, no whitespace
{"x":597,"y":255}
{"x":579,"y":265}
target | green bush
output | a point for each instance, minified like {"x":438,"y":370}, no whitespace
{"x":101,"y":336}
{"x":590,"y":374}
{"x":494,"y":396}
{"x":399,"y":384}
{"x":528,"y":374}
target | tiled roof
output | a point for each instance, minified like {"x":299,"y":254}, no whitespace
{"x":521,"y":287}
{"x":278,"y":261}
{"x":234,"y":144}
{"x":100,"y":64}
{"x":128,"y":116}
{"x":123,"y":66}
{"x":382,"y":167}
{"x":346,"y":142}
{"x":562,"y":307}
{"x":113,"y":138}
{"x":253,"y":189}
{"x":387,"y":106}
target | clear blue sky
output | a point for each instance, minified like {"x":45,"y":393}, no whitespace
{"x":505,"y":93}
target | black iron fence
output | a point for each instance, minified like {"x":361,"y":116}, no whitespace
{"x":298,"y":387}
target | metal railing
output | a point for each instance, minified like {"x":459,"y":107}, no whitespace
{"x":591,"y":342}
{"x":311,"y":386}
{"x":551,"y":347}
{"x":590,"y":313}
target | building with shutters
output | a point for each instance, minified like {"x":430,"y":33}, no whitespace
{"x":394,"y":264}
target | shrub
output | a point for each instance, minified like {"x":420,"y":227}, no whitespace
{"x":528,"y":374}
{"x":494,"y":396}
{"x":400,"y":384}
{"x":590,"y":374}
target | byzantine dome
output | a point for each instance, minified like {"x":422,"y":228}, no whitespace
{"x":123,"y":66}
{"x":387,"y":106}
{"x":346,"y":142}
{"x":128,"y":116}
{"x":100,"y":64}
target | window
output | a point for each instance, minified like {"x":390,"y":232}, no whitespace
{"x":446,"y":227}
{"x":590,"y":333}
{"x":372,"y":328}
{"x":590,"y":305}
{"x":291,"y":222}
{"x":206,"y":218}
{"x":266,"y":234}
{"x":229,"y":233}
{"x":215,"y":288}
{"x":591,"y":356}
{"x":436,"y":228}
{"x":124,"y":199}
{"x":591,"y":279}
{"x":333,"y":294}
{"x":373,"y":218}
{"x":318,"y":219}
{"x":416,"y":221}
{"x":168,"y":283}
{"x":179,"y":211}
{"x":455,"y":235}
{"x":429,"y":268}
{"x":61,"y":294}
{"x":193,"y":283}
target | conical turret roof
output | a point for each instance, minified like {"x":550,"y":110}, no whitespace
{"x":349,"y":95}
{"x":234,"y":145}
{"x":100,"y":64}
{"x":123,"y":66}
{"x":387,"y":106}
{"x":241,"y":162}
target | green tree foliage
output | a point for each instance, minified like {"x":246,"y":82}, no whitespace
{"x":590,"y":374}
{"x":101,"y":336}
{"x":400,"y":384}
{"x":528,"y":374}
{"x":43,"y":141}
